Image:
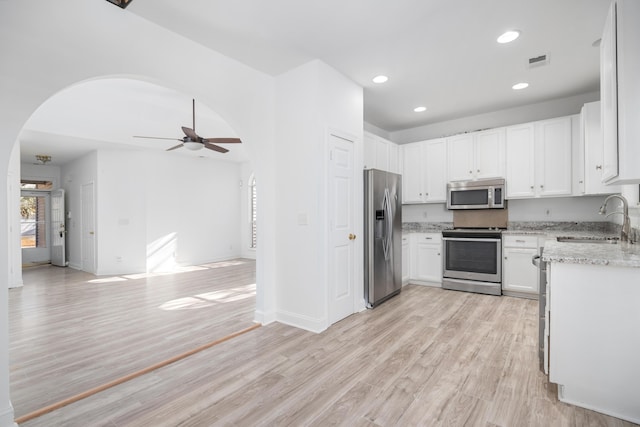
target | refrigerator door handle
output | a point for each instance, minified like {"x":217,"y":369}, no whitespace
{"x":387,"y":241}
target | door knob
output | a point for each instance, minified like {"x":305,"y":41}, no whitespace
{"x":352,"y":236}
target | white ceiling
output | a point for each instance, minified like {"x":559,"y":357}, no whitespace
{"x":438,"y":53}
{"x":107,"y":113}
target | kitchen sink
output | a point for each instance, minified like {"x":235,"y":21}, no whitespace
{"x":607,"y":240}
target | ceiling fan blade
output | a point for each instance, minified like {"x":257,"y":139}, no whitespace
{"x":215,"y":147}
{"x":223,"y":140}
{"x":158,"y":137}
{"x":173,"y":148}
{"x":190,"y":133}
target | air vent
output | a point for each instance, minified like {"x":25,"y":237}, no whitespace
{"x":538,"y":61}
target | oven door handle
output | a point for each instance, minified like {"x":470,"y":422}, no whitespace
{"x":470,"y":239}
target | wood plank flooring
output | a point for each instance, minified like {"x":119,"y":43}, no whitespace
{"x":71,"y":331}
{"x":428,"y":357}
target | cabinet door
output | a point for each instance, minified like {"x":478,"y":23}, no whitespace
{"x":429,"y":262}
{"x":489,"y":153}
{"x":519,"y":274}
{"x":435,"y":170}
{"x":405,"y":259}
{"x":608,"y":95}
{"x":520,"y":152}
{"x":369,"y":151}
{"x":394,"y":164}
{"x":593,"y":151}
{"x":412,"y":173}
{"x":553,"y":162}
{"x":460,"y":157}
{"x":382,"y":154}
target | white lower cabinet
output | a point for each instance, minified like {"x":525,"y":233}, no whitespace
{"x":426,"y":257}
{"x":406,"y":263}
{"x":519,"y":275}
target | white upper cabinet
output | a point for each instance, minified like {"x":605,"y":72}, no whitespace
{"x":592,"y":142}
{"x":553,"y":161}
{"x":436,"y":170}
{"x":412,"y":173}
{"x":620,"y":92}
{"x":520,"y":154}
{"x":538,"y":159}
{"x":424,"y":175}
{"x":380,"y":153}
{"x":476,"y":155}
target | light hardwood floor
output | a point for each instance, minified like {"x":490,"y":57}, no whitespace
{"x":427,"y":357}
{"x":71,"y":331}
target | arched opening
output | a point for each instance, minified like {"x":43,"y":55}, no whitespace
{"x":167,"y":223}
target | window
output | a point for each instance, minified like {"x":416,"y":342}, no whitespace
{"x":33,"y":213}
{"x":33,"y":221}
{"x":252,"y":214}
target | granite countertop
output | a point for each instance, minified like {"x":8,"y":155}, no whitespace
{"x":622,"y":254}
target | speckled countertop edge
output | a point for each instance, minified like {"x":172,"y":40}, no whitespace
{"x":621,"y":254}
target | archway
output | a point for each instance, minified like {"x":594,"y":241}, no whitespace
{"x":55,"y":47}
{"x":111,"y":166}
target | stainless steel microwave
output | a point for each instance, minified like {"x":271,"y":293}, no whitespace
{"x":481,"y":194}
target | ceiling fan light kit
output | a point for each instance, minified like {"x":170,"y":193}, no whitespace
{"x":192,"y":141}
{"x":193,"y":146}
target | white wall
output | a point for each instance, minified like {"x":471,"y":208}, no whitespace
{"x":554,"y":209}
{"x":14,"y":243}
{"x":192,"y":206}
{"x":312,"y":99}
{"x":53,"y":46}
{"x":528,"y":113}
{"x":121,"y":213}
{"x":246,"y":173}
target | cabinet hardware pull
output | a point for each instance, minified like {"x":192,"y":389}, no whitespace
{"x":541,"y":186}
{"x":519,"y":241}
{"x":505,"y":257}
{"x":352,"y":236}
{"x":599,"y":167}
{"x":532,"y":187}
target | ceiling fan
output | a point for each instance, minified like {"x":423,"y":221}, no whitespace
{"x":193,"y":141}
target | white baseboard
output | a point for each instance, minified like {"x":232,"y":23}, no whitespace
{"x":300,"y":321}
{"x":7,"y":417}
{"x":264,"y":318}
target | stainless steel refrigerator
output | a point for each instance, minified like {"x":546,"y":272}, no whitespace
{"x":382,"y":236}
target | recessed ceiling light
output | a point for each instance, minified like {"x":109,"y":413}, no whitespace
{"x":420,"y":109}
{"x":380,"y":79}
{"x":508,"y":36}
{"x":519,"y":86}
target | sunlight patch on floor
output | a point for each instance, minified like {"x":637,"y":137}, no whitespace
{"x":210,"y":299}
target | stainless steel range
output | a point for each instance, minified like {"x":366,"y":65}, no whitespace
{"x":472,"y":260}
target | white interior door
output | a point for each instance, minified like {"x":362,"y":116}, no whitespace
{"x":342,"y":238}
{"x":58,"y":229}
{"x":88,"y":219}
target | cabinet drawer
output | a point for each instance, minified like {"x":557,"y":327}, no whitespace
{"x":520,"y":241}
{"x":429,"y":238}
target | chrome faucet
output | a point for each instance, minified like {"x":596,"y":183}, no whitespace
{"x":626,"y":222}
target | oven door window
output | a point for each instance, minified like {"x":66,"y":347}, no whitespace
{"x":470,"y":197}
{"x":472,"y":256}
